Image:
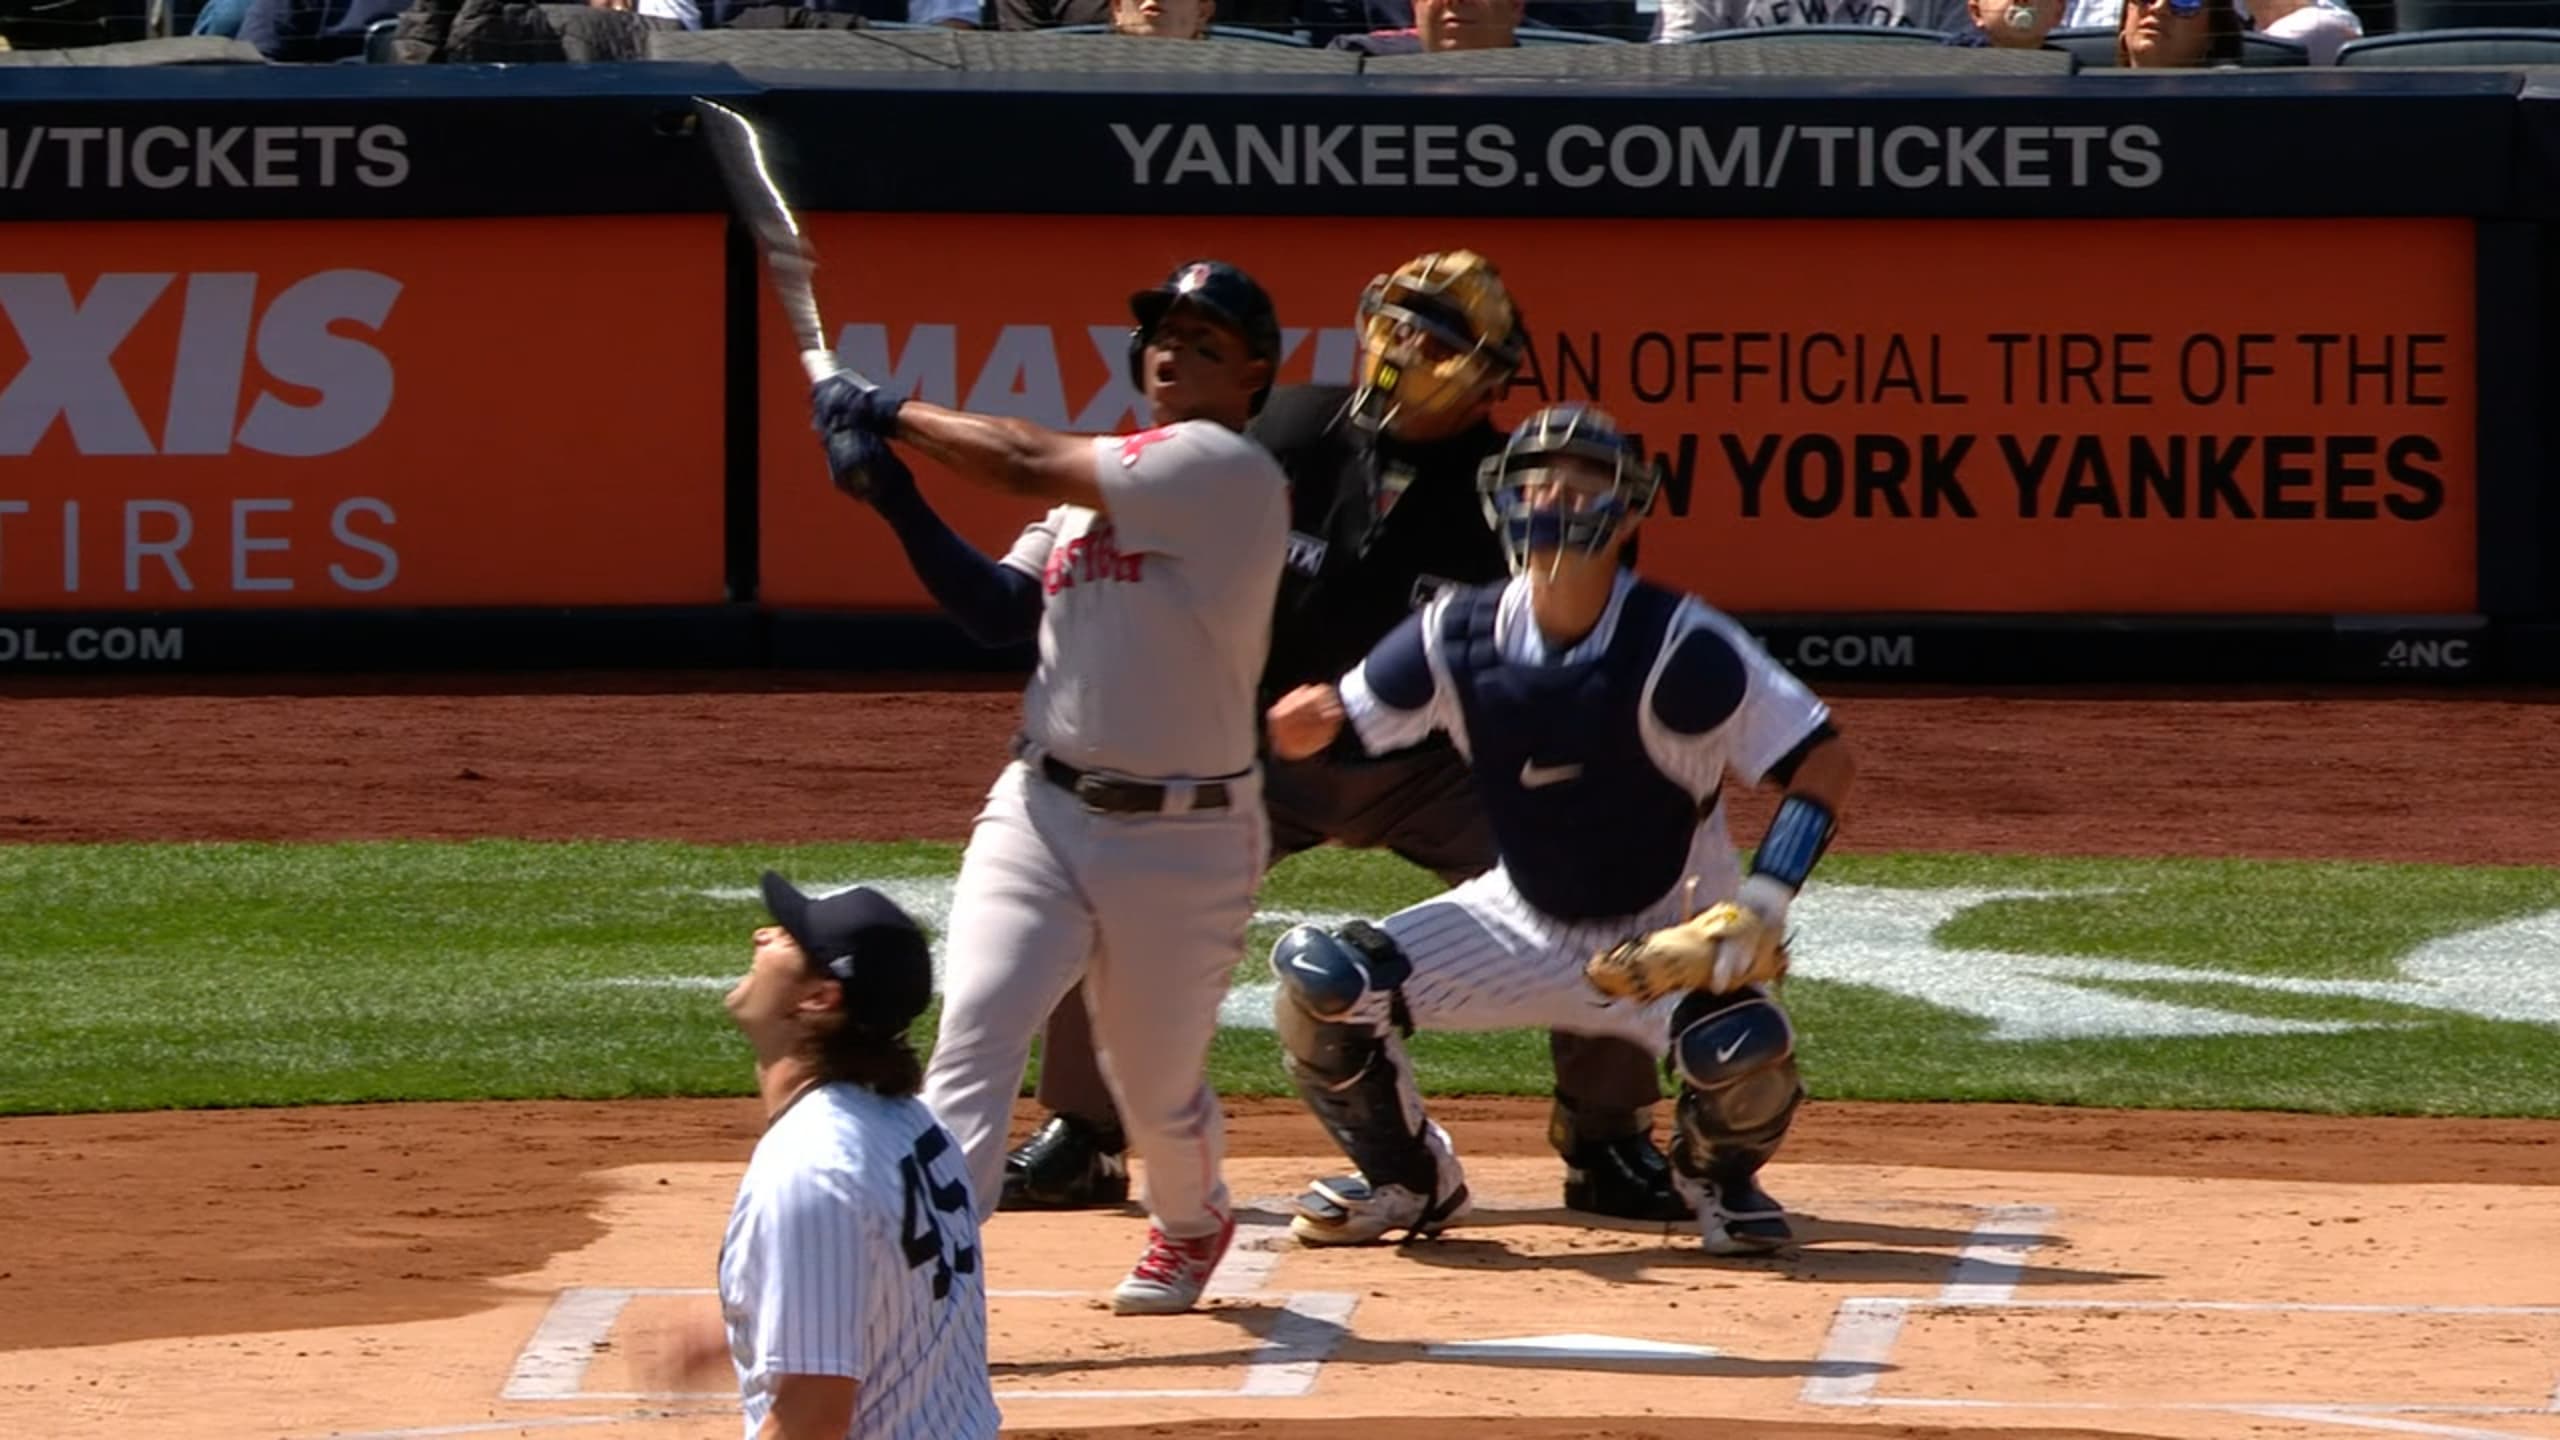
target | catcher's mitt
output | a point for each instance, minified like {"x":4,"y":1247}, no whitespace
{"x":1722,"y":948}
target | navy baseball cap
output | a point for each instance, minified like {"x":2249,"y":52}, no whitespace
{"x":862,"y":938}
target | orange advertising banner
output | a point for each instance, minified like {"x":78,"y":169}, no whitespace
{"x":2099,"y":416}
{"x":340,"y":414}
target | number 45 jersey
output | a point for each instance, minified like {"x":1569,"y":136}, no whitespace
{"x":853,"y":1251}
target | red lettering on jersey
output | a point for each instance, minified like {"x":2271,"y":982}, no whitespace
{"x":1093,"y":556}
{"x":1136,"y":445}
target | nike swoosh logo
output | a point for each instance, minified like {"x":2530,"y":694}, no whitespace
{"x":1533,"y":775}
{"x":1726,"y":1052}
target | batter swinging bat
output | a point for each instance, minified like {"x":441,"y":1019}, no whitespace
{"x":790,"y":259}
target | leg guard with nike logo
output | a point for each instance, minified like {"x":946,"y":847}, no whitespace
{"x":1341,"y":1025}
{"x":1739,"y":1090}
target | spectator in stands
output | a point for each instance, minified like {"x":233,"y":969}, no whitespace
{"x":2177,"y":34}
{"x":300,"y":31}
{"x":1445,"y":25}
{"x":220,"y":17}
{"x":1050,"y":14}
{"x":676,"y":14}
{"x":1323,"y":17}
{"x":1688,"y":19}
{"x":807,"y":14}
{"x":1164,"y":19}
{"x":2008,"y":24}
{"x":2318,"y":26}
{"x":1592,"y":17}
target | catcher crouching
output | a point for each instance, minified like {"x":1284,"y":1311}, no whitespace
{"x":1600,"y":714}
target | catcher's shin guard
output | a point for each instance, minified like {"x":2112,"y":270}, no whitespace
{"x":1739,"y":1092}
{"x":1336,"y":1014}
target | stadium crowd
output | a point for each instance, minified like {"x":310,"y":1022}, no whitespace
{"x":2146,"y":34}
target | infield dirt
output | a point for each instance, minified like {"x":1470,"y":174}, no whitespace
{"x":1967,"y":1270}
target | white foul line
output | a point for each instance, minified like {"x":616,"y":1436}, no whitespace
{"x":1865,"y":1329}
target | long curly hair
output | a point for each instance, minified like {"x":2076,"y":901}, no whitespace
{"x":883,"y":1061}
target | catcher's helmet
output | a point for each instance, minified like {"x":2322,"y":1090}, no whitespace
{"x":1222,"y":291}
{"x":1581,"y":447}
{"x":1435,"y":337}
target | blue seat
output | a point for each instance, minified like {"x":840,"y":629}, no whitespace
{"x":377,"y":40}
{"x":2474,"y":46}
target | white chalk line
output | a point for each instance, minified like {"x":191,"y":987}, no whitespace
{"x":1307,"y":1328}
{"x":1985,"y":1276}
{"x":1865,"y":1328}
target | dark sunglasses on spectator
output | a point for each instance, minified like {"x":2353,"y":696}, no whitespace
{"x":2177,"y":7}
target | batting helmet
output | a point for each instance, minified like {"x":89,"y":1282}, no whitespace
{"x":1222,"y":291}
{"x":1582,"y":448}
{"x":1435,"y":337}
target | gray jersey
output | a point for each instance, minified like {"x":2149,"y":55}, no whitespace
{"x":853,"y":1251}
{"x":1157,"y":610}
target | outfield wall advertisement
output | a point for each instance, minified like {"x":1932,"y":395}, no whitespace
{"x":1998,"y":416}
{"x":348,"y":414}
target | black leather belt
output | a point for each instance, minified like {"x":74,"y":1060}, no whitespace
{"x":1126,"y":797}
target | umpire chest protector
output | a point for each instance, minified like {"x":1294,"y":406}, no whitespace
{"x":1588,"y":826}
{"x":1377,"y":527}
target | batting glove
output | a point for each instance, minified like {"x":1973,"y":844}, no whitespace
{"x":846,"y":402}
{"x":866,"y":468}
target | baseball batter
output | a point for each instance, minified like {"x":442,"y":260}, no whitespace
{"x":1126,"y":841}
{"x":1600,"y":714}
{"x":1384,"y":512}
{"x":853,"y":1305}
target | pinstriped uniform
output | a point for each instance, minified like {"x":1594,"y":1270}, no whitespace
{"x":852,"y":1250}
{"x":1711,"y":701}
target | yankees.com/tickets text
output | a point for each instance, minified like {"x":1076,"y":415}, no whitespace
{"x":203,"y":157}
{"x":1647,"y":157}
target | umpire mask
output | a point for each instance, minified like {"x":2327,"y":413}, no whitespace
{"x":1435,"y":337}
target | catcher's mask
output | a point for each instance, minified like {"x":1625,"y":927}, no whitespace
{"x":1220,"y":290}
{"x":1606,"y":480}
{"x":1435,"y":337}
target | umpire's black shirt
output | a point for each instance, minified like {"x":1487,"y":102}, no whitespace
{"x":1375,"y":525}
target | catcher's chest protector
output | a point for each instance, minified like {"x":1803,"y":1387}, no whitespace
{"x":1587,"y":825}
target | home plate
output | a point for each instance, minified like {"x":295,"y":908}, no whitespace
{"x":1580,"y":1347}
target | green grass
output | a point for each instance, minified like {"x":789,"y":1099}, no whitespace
{"x":147,"y":977}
